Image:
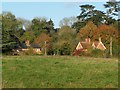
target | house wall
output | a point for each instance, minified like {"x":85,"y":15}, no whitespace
{"x":101,"y":46}
{"x":36,"y":51}
{"x":25,"y":49}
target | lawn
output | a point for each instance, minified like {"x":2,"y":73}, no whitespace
{"x":59,"y":72}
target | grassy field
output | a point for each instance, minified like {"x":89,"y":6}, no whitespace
{"x":59,"y":72}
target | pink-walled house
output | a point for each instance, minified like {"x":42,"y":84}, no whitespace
{"x":85,"y":44}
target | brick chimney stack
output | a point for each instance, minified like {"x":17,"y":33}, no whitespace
{"x":27,"y":42}
{"x":87,"y":40}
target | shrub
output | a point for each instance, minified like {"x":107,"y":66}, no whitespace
{"x":106,"y":53}
{"x":65,"y":49}
{"x":88,"y":51}
{"x":116,"y":49}
{"x":78,"y":52}
{"x":28,"y":52}
{"x":97,"y":53}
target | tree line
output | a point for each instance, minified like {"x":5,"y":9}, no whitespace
{"x":91,"y":23}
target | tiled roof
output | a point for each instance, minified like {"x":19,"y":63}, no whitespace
{"x":85,"y":45}
{"x":96,"y":43}
{"x":35,"y":46}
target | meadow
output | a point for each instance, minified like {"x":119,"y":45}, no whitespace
{"x":59,"y":72}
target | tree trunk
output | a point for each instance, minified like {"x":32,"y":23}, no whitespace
{"x":45,"y":49}
{"x":57,"y":52}
{"x":110,"y":46}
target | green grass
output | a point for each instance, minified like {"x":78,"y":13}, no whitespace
{"x":59,"y":72}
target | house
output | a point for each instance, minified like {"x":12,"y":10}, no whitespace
{"x":22,"y":47}
{"x":84,"y":45}
{"x":35,"y":47}
{"x":98,"y":45}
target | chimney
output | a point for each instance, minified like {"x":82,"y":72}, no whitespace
{"x":27,"y":42}
{"x":87,"y":40}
